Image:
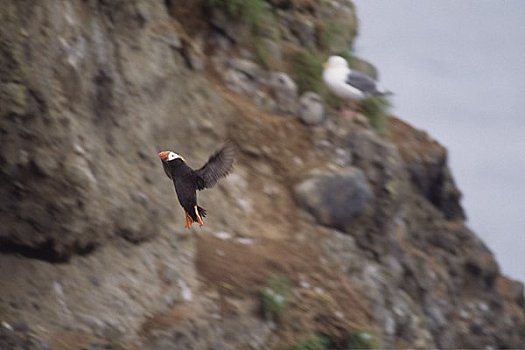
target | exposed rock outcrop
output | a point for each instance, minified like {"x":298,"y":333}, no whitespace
{"x":426,"y":161}
{"x":335,"y":199}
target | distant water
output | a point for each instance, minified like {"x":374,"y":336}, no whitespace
{"x":457,"y":68}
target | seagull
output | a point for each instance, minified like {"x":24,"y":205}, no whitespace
{"x":349,"y":84}
{"x":187,"y":181}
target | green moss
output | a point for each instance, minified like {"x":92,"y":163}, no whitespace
{"x":275,"y":297}
{"x":255,"y":13}
{"x":314,"y":342}
{"x":375,"y":108}
{"x":262,"y":51}
{"x":259,"y":17}
{"x":308,"y":71}
{"x":334,"y":36}
{"x":361,"y":340}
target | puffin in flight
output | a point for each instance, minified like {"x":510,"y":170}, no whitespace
{"x":349,"y":84}
{"x":187,"y":181}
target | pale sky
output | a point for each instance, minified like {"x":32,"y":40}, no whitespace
{"x":457,"y":69}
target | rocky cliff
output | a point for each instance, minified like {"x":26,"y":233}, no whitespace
{"x":329,"y":234}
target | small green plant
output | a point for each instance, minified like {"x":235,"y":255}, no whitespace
{"x":260,"y":19}
{"x":314,"y":342}
{"x":361,"y":340}
{"x":262,"y":53}
{"x":275,"y":296}
{"x":332,"y":37}
{"x":255,"y":13}
{"x":375,"y":108}
{"x":308,"y":71}
{"x":308,"y":74}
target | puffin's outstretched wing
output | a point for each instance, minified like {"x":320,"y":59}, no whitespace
{"x":219,"y":165}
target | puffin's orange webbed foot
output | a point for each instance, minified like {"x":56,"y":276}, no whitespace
{"x":189,"y":221}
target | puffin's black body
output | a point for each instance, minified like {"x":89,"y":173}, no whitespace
{"x":187,"y":181}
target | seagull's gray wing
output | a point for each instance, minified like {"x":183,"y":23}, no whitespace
{"x":362,"y":82}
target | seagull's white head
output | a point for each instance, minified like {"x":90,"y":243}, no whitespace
{"x":167,"y":156}
{"x":336,"y":62}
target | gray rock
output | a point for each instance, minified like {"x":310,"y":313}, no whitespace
{"x":264,"y":101}
{"x":516,"y":292}
{"x":335,"y":199}
{"x":284,"y":90}
{"x":311,"y":108}
{"x":13,"y":340}
{"x":342,"y":157}
{"x":239,"y":82}
{"x":304,"y":29}
{"x":483,"y":267}
{"x":243,"y":76}
{"x":249,"y":68}
{"x":237,"y":31}
{"x":194,"y":59}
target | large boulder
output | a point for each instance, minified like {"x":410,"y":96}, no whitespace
{"x":335,"y":199}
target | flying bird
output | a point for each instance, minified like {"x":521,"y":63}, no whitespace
{"x":187,"y":181}
{"x":349,"y":84}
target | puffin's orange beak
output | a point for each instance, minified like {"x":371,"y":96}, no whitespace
{"x":163,"y":155}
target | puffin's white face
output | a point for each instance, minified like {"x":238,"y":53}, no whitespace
{"x":173,"y":156}
{"x":336,"y":62}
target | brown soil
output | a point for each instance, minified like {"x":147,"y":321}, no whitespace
{"x":168,"y":319}
{"x":237,"y":270}
{"x":412,"y":144}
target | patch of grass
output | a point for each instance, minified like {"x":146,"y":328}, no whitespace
{"x":375,"y":108}
{"x":308,"y":71}
{"x":332,"y":37}
{"x":361,"y":340}
{"x":262,"y":53}
{"x":250,"y":11}
{"x":308,"y":74}
{"x":259,"y":17}
{"x":275,"y":296}
{"x":257,"y":14}
{"x":262,"y":56}
{"x":314,"y":342}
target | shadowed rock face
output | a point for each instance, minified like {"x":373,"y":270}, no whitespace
{"x":77,"y":125}
{"x":426,"y":161}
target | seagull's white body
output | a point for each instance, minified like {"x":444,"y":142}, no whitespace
{"x":334,"y":78}
{"x":348,"y":84}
